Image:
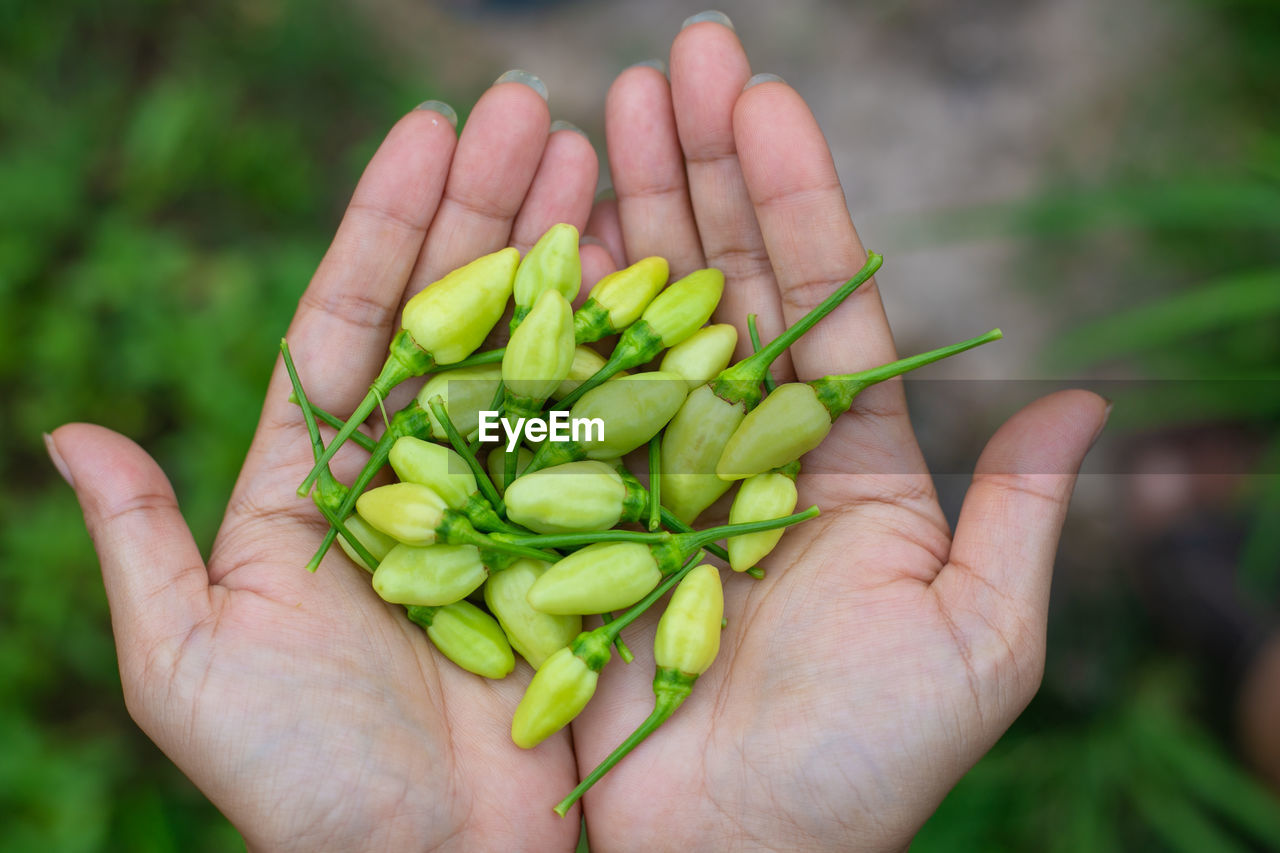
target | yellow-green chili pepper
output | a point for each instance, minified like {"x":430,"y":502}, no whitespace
{"x":441,"y":325}
{"x":673,"y":315}
{"x":619,"y":299}
{"x":552,"y":264}
{"x":414,"y":514}
{"x":465,"y":392}
{"x":431,"y":576}
{"x":576,"y":496}
{"x":532,"y":633}
{"x":566,"y":681}
{"x":623,"y":565}
{"x":496,"y":464}
{"x":686,"y":644}
{"x":560,"y":689}
{"x":586,"y":362}
{"x":629,"y":410}
{"x":700,"y":357}
{"x":769,"y":495}
{"x":468,"y":636}
{"x":796,"y":417}
{"x":539,"y":356}
{"x":696,"y":437}
{"x":377,"y":543}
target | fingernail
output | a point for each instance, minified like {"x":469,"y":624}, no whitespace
{"x":710,"y":15}
{"x":657,"y":64}
{"x":561,"y":124}
{"x":442,"y":108}
{"x":516,"y":75}
{"x":762,"y":78}
{"x":606,"y":194}
{"x":1106,"y":415}
{"x":58,"y":462}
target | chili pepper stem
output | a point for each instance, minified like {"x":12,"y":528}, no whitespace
{"x":614,"y":628}
{"x":407,"y":359}
{"x":336,"y":422}
{"x":464,"y":450}
{"x":493,"y":356}
{"x":327,"y":483}
{"x":740,"y":383}
{"x":754,"y":333}
{"x":675,"y":688}
{"x":456,"y":529}
{"x":675,"y":525}
{"x":691,"y":541}
{"x":623,"y":651}
{"x":638,"y":344}
{"x":837,"y":392}
{"x":655,"y":483}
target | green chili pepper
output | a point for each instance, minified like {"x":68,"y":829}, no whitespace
{"x":414,"y":514}
{"x":697,"y":435}
{"x":671,"y":317}
{"x":700,"y":357}
{"x":630,"y":411}
{"x":539,"y":356}
{"x":446,"y":473}
{"x":769,"y":495}
{"x":468,"y":636}
{"x":686,"y":643}
{"x":562,"y":687}
{"x":464,"y":392}
{"x":796,"y":417}
{"x":497,"y":464}
{"x":532,"y":633}
{"x":586,"y":362}
{"x":434,"y":575}
{"x":377,"y":543}
{"x":620,"y":568}
{"x":576,"y":496}
{"x":552,"y":264}
{"x":442,"y":324}
{"x":619,"y":298}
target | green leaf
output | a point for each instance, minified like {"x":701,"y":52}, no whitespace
{"x":1228,"y":301}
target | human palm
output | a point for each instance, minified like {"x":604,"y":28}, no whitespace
{"x":874,"y":663}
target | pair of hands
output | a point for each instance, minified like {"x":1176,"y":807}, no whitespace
{"x":879,"y":658}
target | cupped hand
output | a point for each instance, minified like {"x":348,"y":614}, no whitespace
{"x":881,"y":655}
{"x":315,"y":716}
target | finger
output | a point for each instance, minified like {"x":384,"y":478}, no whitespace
{"x":708,"y":70}
{"x":996,"y":581}
{"x":563,"y":187}
{"x":813,"y":248}
{"x":155,"y":579}
{"x":597,"y":262}
{"x":648,"y":171}
{"x":605,"y":226}
{"x":498,"y":155}
{"x":346,"y":316}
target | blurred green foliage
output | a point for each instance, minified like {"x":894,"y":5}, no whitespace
{"x":170,"y":175}
{"x":1165,"y":265}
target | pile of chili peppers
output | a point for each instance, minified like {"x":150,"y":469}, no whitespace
{"x":509,"y":557}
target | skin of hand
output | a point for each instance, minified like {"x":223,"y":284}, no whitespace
{"x":881,"y":655}
{"x":879,"y":658}
{"x":315,"y":716}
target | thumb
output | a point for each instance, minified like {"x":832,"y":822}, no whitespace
{"x":996,"y":582}
{"x":156,"y":582}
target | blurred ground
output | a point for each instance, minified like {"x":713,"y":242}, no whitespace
{"x":928,"y":106}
